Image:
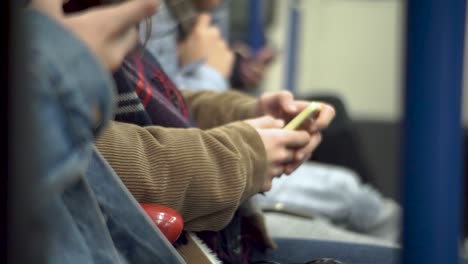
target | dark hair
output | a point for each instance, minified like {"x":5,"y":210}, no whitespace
{"x":80,"y":5}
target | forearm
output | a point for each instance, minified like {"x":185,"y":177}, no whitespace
{"x":204,"y":175}
{"x":210,"y":109}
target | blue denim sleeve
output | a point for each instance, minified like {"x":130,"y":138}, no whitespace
{"x":71,"y":71}
{"x":201,"y":77}
{"x":68,"y":86}
{"x":81,"y":210}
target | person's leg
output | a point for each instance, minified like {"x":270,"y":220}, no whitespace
{"x":302,"y":251}
{"x":334,"y":193}
{"x":289,"y":226}
{"x":134,"y":236}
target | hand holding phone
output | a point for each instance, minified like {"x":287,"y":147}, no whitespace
{"x":312,"y":110}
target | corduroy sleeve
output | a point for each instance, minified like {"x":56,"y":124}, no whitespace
{"x":205,"y":175}
{"x":210,"y":109}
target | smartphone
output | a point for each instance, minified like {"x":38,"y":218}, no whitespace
{"x":310,"y":111}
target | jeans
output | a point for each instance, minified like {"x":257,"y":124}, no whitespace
{"x":96,"y":220}
{"x":81,"y":208}
{"x":302,"y":251}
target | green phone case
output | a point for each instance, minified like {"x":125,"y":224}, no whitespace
{"x":302,"y":116}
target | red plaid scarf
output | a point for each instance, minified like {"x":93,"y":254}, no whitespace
{"x":146,"y":95}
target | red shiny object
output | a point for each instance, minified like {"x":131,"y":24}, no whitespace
{"x":168,"y":220}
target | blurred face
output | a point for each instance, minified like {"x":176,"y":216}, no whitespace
{"x":206,"y":5}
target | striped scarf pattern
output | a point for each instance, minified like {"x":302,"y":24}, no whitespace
{"x":147,"y":96}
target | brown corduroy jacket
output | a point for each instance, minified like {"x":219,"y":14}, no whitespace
{"x":204,"y":173}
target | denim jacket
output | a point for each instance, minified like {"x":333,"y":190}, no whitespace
{"x":89,"y":215}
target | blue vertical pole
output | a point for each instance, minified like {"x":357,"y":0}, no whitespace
{"x":431,"y":160}
{"x":293,"y":45}
{"x":256,"y":34}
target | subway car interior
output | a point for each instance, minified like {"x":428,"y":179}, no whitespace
{"x":167,"y":151}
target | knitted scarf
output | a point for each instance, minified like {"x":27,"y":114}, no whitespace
{"x":146,"y":95}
